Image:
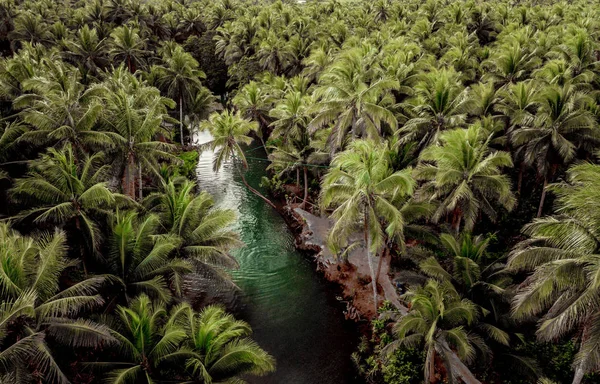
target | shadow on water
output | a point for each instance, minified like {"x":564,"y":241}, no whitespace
{"x":294,"y":315}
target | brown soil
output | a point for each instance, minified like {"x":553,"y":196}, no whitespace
{"x":352,"y":275}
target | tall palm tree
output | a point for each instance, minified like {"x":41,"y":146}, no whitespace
{"x":255,"y":102}
{"x":477,"y":277}
{"x":126,"y":46}
{"x":204,"y":230}
{"x":561,"y":127}
{"x":291,"y":127}
{"x":274,"y":54}
{"x":518,"y":105}
{"x":511,"y":63}
{"x":143,"y":260}
{"x":149,"y":337}
{"x":180,"y":78}
{"x":349,"y":101}
{"x":440,"y":103}
{"x":87,"y":50}
{"x":69,"y":193}
{"x":221,"y":350}
{"x":135,"y":113}
{"x":229,"y":131}
{"x":361,"y":186}
{"x":465,"y":176}
{"x":63,"y":113}
{"x":561,"y":256}
{"x":436,"y":322}
{"x":37,"y":307}
{"x":29,"y":27}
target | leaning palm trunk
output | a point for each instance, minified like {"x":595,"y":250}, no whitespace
{"x":541,"y":207}
{"x":456,"y":364}
{"x":384,"y":255}
{"x":140,"y":182}
{"x":370,"y":260}
{"x":181,"y":119}
{"x":305,"y":188}
{"x":430,"y":365}
{"x":579,"y":371}
{"x":129,"y":176}
{"x":254,"y":190}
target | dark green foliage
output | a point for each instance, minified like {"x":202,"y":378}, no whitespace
{"x":188,"y":166}
{"x":403,"y":367}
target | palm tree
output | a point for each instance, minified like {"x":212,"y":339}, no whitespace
{"x":476,"y":277}
{"x":291,"y":127}
{"x":203,"y":105}
{"x":87,"y":50}
{"x":441,"y":103}
{"x":30,"y":28}
{"x":220,"y":349}
{"x":135,"y":113}
{"x":126,"y":46}
{"x":361,"y":185}
{"x":254,"y":103}
{"x":561,"y":256}
{"x":63,"y":113}
{"x":578,"y":53}
{"x":148,"y":338}
{"x":274,"y":54}
{"x":511,"y":64}
{"x":37,"y":307}
{"x":143,"y":260}
{"x":465,"y":176}
{"x":180,"y":79}
{"x":229,"y":131}
{"x":560,"y":128}
{"x":68,"y":193}
{"x":436,"y":321}
{"x":204,"y":230}
{"x":352,"y":103}
{"x":518,"y":105}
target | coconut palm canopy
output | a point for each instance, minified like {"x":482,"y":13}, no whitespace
{"x":452,"y":145}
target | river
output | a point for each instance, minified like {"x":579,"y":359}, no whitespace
{"x":293,"y":312}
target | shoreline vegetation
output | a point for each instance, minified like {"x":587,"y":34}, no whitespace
{"x":441,"y":157}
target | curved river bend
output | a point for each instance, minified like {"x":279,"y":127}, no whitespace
{"x":295,"y":317}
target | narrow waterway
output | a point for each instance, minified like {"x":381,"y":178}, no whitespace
{"x":293,"y":312}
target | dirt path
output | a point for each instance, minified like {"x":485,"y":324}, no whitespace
{"x":352,"y":275}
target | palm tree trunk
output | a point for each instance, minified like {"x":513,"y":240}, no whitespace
{"x":129,"y":177}
{"x":579,"y":372}
{"x":541,"y":207}
{"x":386,"y":252}
{"x":578,"y":375}
{"x":305,"y":188}
{"x":430,"y":363}
{"x":520,"y":181}
{"x":370,"y":260}
{"x":456,"y":219}
{"x":298,"y":178}
{"x":263,"y":124}
{"x":140,"y":183}
{"x":81,"y":250}
{"x":181,"y":119}
{"x":254,"y":190}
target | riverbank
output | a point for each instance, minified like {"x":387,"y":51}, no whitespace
{"x":351,"y":275}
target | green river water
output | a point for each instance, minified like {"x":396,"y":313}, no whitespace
{"x":293,"y":312}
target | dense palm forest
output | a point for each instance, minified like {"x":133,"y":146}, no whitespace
{"x":460,"y":139}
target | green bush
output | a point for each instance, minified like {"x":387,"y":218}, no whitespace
{"x":188,"y":166}
{"x":405,"y":366}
